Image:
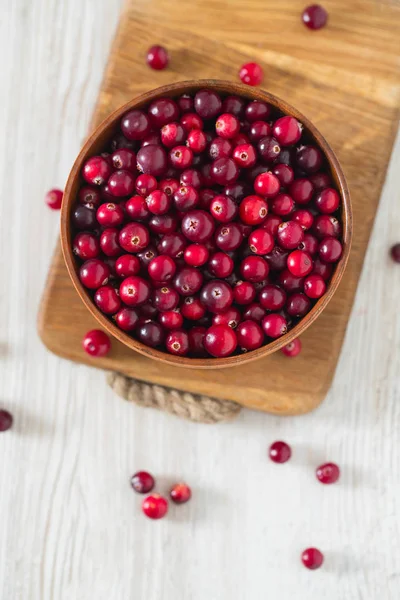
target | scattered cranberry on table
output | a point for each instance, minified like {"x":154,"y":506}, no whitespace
{"x":6,"y":420}
{"x":155,"y":506}
{"x":142,"y":482}
{"x":280,"y":452}
{"x":315,"y":16}
{"x":96,"y":343}
{"x":209,"y":214}
{"x":54,"y":198}
{"x":328,"y":473}
{"x":292,"y":349}
{"x":157,"y":58}
{"x":180,"y":493}
{"x":395,"y":252}
{"x":251,"y":73}
{"x":312,"y":558}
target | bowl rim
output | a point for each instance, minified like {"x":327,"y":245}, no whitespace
{"x":227,"y":88}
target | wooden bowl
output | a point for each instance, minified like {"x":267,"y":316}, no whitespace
{"x":96,"y":144}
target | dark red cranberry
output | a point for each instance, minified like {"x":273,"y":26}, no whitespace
{"x":287,"y":131}
{"x":260,"y":241}
{"x":152,"y":160}
{"x":267,"y":184}
{"x":177,"y":343}
{"x":150,"y":333}
{"x":165,"y":298}
{"x":207,"y":104}
{"x":124,"y":159}
{"x":121,"y":183}
{"x":230,"y":317}
{"x":277,"y":259}
{"x":163,"y":111}
{"x":89,"y":195}
{"x":109,"y":242}
{"x":320,"y":181}
{"x":290,"y":235}
{"x":323,"y":269}
{"x":280,"y":452}
{"x":192,"y":308}
{"x":216,"y":296}
{"x":309,"y":244}
{"x":196,"y":337}
{"x":272,"y":297}
{"x":326,"y":226}
{"x":146,"y":256}
{"x":134,"y":237}
{"x":172,"y":244}
{"x":292,"y":349}
{"x":107,"y":300}
{"x":84,"y":216}
{"x":249,"y":334}
{"x":221,"y":264}
{"x":282,"y":205}
{"x":188,"y":281}
{"x":244,"y":292}
{"x":284,"y":173}
{"x":155,"y":506}
{"x":301,"y":190}
{"x":240,"y":139}
{"x":197,"y":226}
{"x":207,"y":175}
{"x":271,"y":224}
{"x":196,"y":255}
{"x":220,"y":148}
{"x":395,"y":252}
{"x":163,"y":224}
{"x":110,"y":214}
{"x":253,"y":210}
{"x":330,"y":250}
{"x":142,"y":482}
{"x":180,"y":493}
{"x":147,"y":311}
{"x":314,"y":16}
{"x":327,"y":201}
{"x":137,"y":208}
{"x":228,"y":237}
{"x":119,"y":141}
{"x":126,"y":319}
{"x":245,"y":155}
{"x":96,"y":343}
{"x":268,"y":149}
{"x":257,"y":111}
{"x":299,"y":263}
{"x":135,"y":125}
{"x":227,"y":126}
{"x":134,"y":290}
{"x":254,"y":312}
{"x":254,"y":269}
{"x":186,"y":198}
{"x":289,"y":282}
{"x":157,"y":58}
{"x":172,"y":135}
{"x":96,"y":170}
{"x":309,"y":159}
{"x":328,"y":473}
{"x":94,"y":273}
{"x":298,"y":305}
{"x":6,"y":420}
{"x":220,"y":341}
{"x":171,"y":319}
{"x":54,"y":198}
{"x":224,"y":171}
{"x":286,"y":156}
{"x":223,"y":208}
{"x":259,"y":130}
{"x":185,"y":103}
{"x":162,"y":268}
{"x":191,"y":121}
{"x":145,"y":184}
{"x":191,"y":177}
{"x":303,"y":217}
{"x":234,"y":105}
{"x":153,"y":139}
{"x":251,"y":73}
{"x":86,"y":245}
{"x":274,"y":325}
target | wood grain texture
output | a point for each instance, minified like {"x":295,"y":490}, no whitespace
{"x":71,"y":529}
{"x":369,"y":123}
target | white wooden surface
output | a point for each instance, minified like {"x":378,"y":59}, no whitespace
{"x":70,"y":526}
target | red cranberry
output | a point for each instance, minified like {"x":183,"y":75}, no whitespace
{"x":314,"y":16}
{"x":298,"y":305}
{"x":169,"y":186}
{"x":121,"y":183}
{"x":287,"y":131}
{"x":89,"y":195}
{"x":96,"y":343}
{"x":196,"y":141}
{"x":312,"y":558}
{"x":274,"y":325}
{"x":289,"y":282}
{"x":171,"y":319}
{"x":135,"y":125}
{"x":172,"y":244}
{"x":220,"y":148}
{"x":163,"y":224}
{"x":191,"y":177}
{"x":227,"y":126}
{"x":192,"y":308}
{"x":197,"y":226}
{"x":220,"y":341}
{"x":289,"y":235}
{"x":272,"y":297}
{"x":158,"y":202}
{"x":142,"y":482}
{"x":223,"y":208}
{"x":110,"y":214}
{"x":327,"y":201}
{"x":207,"y":104}
{"x":303,"y":217}
{"x":152,"y":160}
{"x":330,"y":250}
{"x":137,"y":208}
{"x":172,"y":135}
{"x":126,"y":319}
{"x":196,"y":338}
{"x":180,"y":493}
{"x":301,"y":190}
{"x":186,"y":198}
{"x":185,"y":103}
{"x":94,"y":273}
{"x":395,"y":252}
{"x":230,"y":317}
{"x":271,"y":224}
{"x":155,"y":506}
{"x":323,"y":269}
{"x":277,"y":259}
{"x":267,"y":184}
{"x":292,"y":349}
{"x":314,"y":286}
{"x":282,"y":205}
{"x":228,"y":237}
{"x":280,"y":452}
{"x":260,"y":241}
{"x":244,"y":292}
{"x":300,"y":263}
{"x":134,"y":237}
{"x":328,"y":473}
{"x":268,"y":149}
{"x":309,"y":159}
{"x":253,"y":210}
{"x":251,"y":74}
{"x":84,"y":216}
{"x":177,"y":342}
{"x":284,"y":173}
{"x":124,"y":159}
{"x":250,"y":336}
{"x":196,"y":255}
{"x":191,"y":121}
{"x":150,"y":333}
{"x":254,"y":268}
{"x":6,"y":420}
{"x":326,"y":226}
{"x":157,"y":58}
{"x":216,"y":296}
{"x":162,"y":268}
{"x":107,"y":300}
{"x":145,"y":184}
{"x":134,"y":291}
{"x":54,"y":198}
{"x":109,"y":242}
{"x":165,"y":298}
{"x":221,"y":264}
{"x":257,"y":111}
{"x":259,"y":130}
{"x":224,"y":171}
{"x":309,"y":244}
{"x":181,"y":157}
{"x":245,"y":155}
{"x":96,"y":170}
{"x":86,"y":245}
{"x":188,"y":281}
{"x":320,"y":181}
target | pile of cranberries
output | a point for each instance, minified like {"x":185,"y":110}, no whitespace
{"x":155,"y":506}
{"x":208,"y":227}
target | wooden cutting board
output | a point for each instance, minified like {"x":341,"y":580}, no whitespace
{"x":345,"y":78}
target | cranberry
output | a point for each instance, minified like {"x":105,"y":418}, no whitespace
{"x":224,"y":171}
{"x":309,"y":159}
{"x":191,"y":177}
{"x":244,"y":292}
{"x":220,"y":341}
{"x":163,"y":111}
{"x":96,"y":343}
{"x":150,"y":333}
{"x":158,"y":202}
{"x":220,"y":148}
{"x":155,"y":506}
{"x":121,"y":183}
{"x":137,"y":208}
{"x":172,"y":134}
{"x":272,"y":297}
{"x":277,"y":259}
{"x":207,"y":104}
{"x":254,"y":268}
{"x":86,"y":245}
{"x":395,"y":252}
{"x":185,"y":103}
{"x":188,"y":281}
{"x":326,"y":226}
{"x":96,"y":170}
{"x":152,"y":160}
{"x":260,"y":130}
{"x":163,"y":224}
{"x":126,"y":319}
{"x":162,"y":268}
{"x":180,"y":493}
{"x":234,"y":105}
{"x":267,"y":184}
{"x":186,"y":198}
{"x":157,"y":58}
{"x":171,"y":319}
{"x":134,"y":237}
{"x":292,"y":349}
{"x":191,"y":121}
{"x":260,"y":241}
{"x":169,"y":186}
{"x":230,"y":317}
{"x":328,"y":473}
{"x":135,"y":125}
{"x":303,"y":217}
{"x":146,"y":256}
{"x":89,"y":195}
{"x":207,"y":175}
{"x":256,"y":111}
{"x":330,"y":250}
{"x":142,"y":482}
{"x":197,"y":226}
{"x":309,"y":244}
{"x":54,"y":198}
{"x":172,"y":244}
{"x":289,"y":282}
{"x":94,"y":273}
{"x":147,"y":311}
{"x":323,"y":269}
{"x":119,"y":141}
{"x":300,"y":263}
{"x":134,"y":291}
{"x":223,"y":208}
{"x":298,"y":305}
{"x":84,"y":216}
{"x":249,"y":335}
{"x":314,"y":286}
{"x":196,"y":141}
{"x":177,"y":342}
{"x":253,"y":210}
{"x":228,"y":237}
{"x":245,"y":155}
{"x":165,"y":298}
{"x":280,"y":452}
{"x":181,"y":157}
{"x":282,"y":205}
{"x":320,"y":181}
{"x":314,"y":16}
{"x":312,"y":558}
{"x":196,"y":255}
{"x":109,"y":242}
{"x":221,"y":264}
{"x":196,"y":338}
{"x":327,"y":201}
{"x":289,"y":235}
{"x":301,"y":190}
{"x":107,"y":300}
{"x":145,"y":184}
{"x":271,"y":224}
{"x":110,"y":214}
{"x":251,"y":74}
{"x":287,"y":131}
{"x":274,"y":325}
{"x":216,"y":296}
{"x":268,"y":149}
{"x":124,"y":159}
{"x":6,"y":420}
{"x":227,"y":126}
{"x":286,"y":156}
{"x":192,"y":308}
{"x":284,"y":173}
